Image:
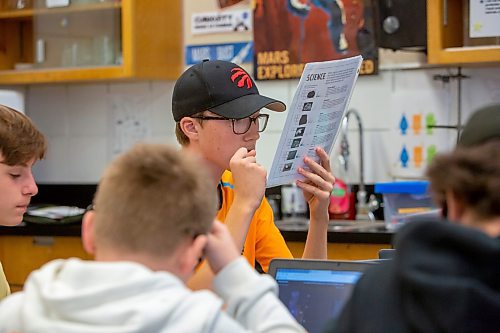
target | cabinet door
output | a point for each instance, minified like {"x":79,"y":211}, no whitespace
{"x":86,"y":33}
{"x":343,"y":251}
{"x":88,"y":40}
{"x":448,"y":40}
{"x":23,"y":254}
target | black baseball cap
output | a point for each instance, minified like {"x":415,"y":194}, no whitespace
{"x":482,"y":126}
{"x":221,"y":87}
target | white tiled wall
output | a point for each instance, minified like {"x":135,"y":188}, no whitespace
{"x":76,"y":117}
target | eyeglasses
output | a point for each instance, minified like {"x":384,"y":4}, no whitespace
{"x":241,"y":126}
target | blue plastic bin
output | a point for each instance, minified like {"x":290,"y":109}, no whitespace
{"x":404,"y":201}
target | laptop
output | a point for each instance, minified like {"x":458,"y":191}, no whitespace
{"x":314,"y":291}
{"x":386,"y":253}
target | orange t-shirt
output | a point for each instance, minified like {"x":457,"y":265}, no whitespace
{"x":264,"y":241}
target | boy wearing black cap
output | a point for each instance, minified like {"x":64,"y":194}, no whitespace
{"x":216,"y":106}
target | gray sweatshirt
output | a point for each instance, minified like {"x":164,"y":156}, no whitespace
{"x":70,"y":296}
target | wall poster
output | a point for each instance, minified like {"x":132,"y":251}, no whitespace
{"x":290,"y":33}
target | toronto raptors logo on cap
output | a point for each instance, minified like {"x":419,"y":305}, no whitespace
{"x":241,"y":77}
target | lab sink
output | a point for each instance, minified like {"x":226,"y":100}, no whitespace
{"x":358,"y":225}
{"x":298,"y":224}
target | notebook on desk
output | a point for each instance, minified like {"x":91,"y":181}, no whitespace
{"x":315,"y":291}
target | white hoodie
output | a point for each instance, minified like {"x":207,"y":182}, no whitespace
{"x":70,"y":296}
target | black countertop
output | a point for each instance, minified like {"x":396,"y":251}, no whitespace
{"x":293,"y":231}
{"x":32,"y":229}
{"x":339,"y":231}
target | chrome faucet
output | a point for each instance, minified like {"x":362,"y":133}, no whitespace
{"x":363,"y":210}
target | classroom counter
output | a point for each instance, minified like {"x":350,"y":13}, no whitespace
{"x":360,"y":232}
{"x":44,"y":242}
{"x":292,"y":230}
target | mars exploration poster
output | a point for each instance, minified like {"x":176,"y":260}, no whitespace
{"x":290,"y":33}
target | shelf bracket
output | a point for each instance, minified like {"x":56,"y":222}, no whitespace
{"x":446,"y":79}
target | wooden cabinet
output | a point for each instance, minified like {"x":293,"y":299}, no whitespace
{"x":20,"y":255}
{"x":343,"y":251}
{"x":447,"y":36}
{"x":90,"y":40}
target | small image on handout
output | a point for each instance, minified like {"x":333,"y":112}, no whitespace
{"x":295,"y":143}
{"x":291,"y":155}
{"x":307,"y":106}
{"x":287,"y":167}
{"x":299,"y":131}
{"x":303,"y":119}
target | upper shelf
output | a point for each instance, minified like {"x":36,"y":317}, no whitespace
{"x":76,"y":8}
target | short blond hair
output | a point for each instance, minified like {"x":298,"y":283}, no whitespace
{"x":20,"y":140}
{"x":151,"y":198}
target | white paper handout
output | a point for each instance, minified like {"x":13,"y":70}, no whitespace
{"x":320,"y":102}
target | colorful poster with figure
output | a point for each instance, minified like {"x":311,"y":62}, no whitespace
{"x":290,"y":33}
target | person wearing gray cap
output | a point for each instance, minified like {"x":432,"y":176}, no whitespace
{"x":216,"y":106}
{"x":445,"y":275}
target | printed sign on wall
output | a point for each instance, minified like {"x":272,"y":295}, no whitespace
{"x":484,"y":18}
{"x":234,"y":52}
{"x":217,"y":22}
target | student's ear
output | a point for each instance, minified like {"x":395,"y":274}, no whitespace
{"x":88,"y":232}
{"x":192,"y":255}
{"x":455,"y":206}
{"x":190,"y":127}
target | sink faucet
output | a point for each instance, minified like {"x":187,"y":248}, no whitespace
{"x":363,"y":211}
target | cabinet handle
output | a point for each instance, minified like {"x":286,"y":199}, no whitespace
{"x":445,"y":12}
{"x":43,"y":241}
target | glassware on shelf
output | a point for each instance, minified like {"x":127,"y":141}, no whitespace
{"x":103,"y":50}
{"x":85,"y":2}
{"x":76,"y":53}
{"x":97,"y":51}
{"x":19,"y":4}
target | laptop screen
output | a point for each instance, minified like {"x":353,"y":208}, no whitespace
{"x":314,"y":295}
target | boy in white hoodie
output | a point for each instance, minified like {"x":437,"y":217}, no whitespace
{"x":147,"y":243}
